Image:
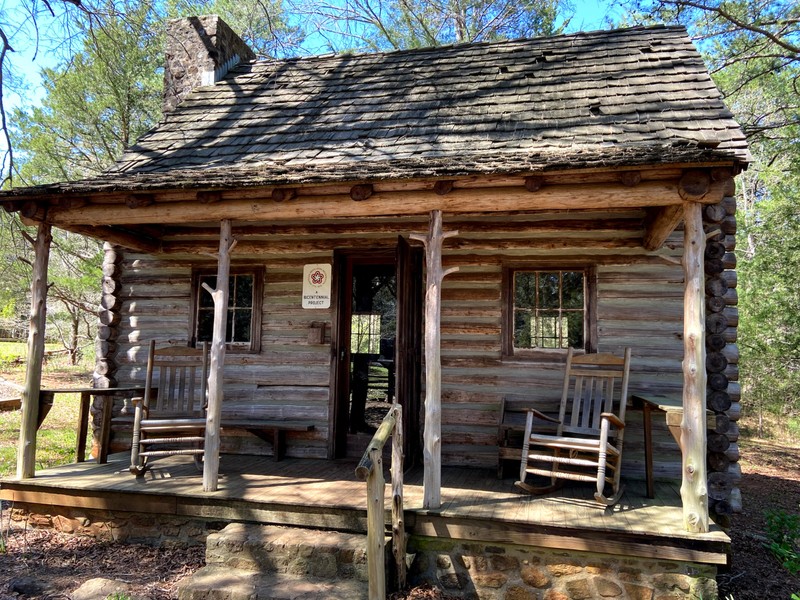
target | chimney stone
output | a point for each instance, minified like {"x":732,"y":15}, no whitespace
{"x":200,"y":51}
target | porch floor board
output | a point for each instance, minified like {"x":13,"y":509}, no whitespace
{"x":320,"y":493}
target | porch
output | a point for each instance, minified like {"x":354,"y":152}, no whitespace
{"x":476,"y":506}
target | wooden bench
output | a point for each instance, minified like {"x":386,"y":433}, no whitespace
{"x":271,"y":431}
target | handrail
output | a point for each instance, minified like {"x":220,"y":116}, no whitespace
{"x":370,"y":469}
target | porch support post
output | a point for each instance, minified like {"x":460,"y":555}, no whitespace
{"x":694,"y":487}
{"x":215,"y":375}
{"x":432,"y":437}
{"x":26,"y":451}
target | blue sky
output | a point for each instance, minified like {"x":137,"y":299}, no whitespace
{"x":588,"y":15}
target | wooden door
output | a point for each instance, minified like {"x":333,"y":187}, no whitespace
{"x":409,"y":346}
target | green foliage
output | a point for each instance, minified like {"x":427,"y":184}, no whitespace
{"x":97,"y":102}
{"x":783,"y":533}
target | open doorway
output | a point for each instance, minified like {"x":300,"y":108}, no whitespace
{"x":378,"y":329}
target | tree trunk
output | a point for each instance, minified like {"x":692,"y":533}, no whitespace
{"x":26,"y":452}
{"x":694,"y":487}
{"x":432,"y":437}
{"x":215,"y":378}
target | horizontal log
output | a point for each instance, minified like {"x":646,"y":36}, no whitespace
{"x":714,"y":250}
{"x":718,"y":461}
{"x":713,"y":267}
{"x":719,"y":486}
{"x":459,"y":201}
{"x":715,"y":304}
{"x":715,"y":342}
{"x":108,"y":317}
{"x":718,"y":401}
{"x":717,"y":442}
{"x":729,"y":260}
{"x":716,"y":322}
{"x":731,"y":297}
{"x":716,"y":362}
{"x":110,"y":301}
{"x":714,"y":213}
{"x":731,"y":353}
{"x":728,"y":225}
{"x":730,"y":278}
{"x":719,"y":423}
{"x":729,"y":202}
{"x":735,"y":500}
{"x":717,"y":381}
{"x":732,"y":315}
{"x":112,"y":254}
{"x":716,"y":286}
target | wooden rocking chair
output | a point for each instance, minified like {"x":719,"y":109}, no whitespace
{"x":170,"y":418}
{"x":587,"y":442}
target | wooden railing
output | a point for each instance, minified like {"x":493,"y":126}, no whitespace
{"x":370,"y":469}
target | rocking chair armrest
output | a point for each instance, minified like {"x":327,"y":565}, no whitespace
{"x":614,"y":419}
{"x":542,"y":416}
{"x":138,"y":405}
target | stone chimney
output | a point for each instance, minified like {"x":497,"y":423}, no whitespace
{"x":200,"y":51}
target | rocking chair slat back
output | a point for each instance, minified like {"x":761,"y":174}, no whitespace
{"x":594,"y":392}
{"x":180,"y":377}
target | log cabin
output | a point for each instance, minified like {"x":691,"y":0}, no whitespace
{"x":377,"y":218}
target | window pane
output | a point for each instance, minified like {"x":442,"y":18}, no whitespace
{"x":548,"y":290}
{"x":548,"y":329}
{"x":241,"y":325}
{"x":524,"y":289}
{"x":205,"y":324}
{"x":572,"y":290}
{"x":206,"y":301}
{"x":548,"y":309}
{"x":244,"y":291}
{"x":523,"y":333}
{"x":229,"y":327}
{"x":574,"y":326}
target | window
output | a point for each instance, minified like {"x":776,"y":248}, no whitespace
{"x":244,"y":309}
{"x":549,"y":309}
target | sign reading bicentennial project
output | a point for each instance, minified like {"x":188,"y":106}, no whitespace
{"x":317,"y":286}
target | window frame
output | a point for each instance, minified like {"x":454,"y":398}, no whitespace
{"x":257,"y":271}
{"x":589,"y":317}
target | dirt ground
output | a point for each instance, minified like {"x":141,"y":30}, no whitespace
{"x":770,"y":480}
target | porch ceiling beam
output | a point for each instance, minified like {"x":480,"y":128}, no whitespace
{"x":659,"y":224}
{"x":119,"y":237}
{"x":416,"y":202}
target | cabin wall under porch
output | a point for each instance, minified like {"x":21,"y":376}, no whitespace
{"x":639,"y":304}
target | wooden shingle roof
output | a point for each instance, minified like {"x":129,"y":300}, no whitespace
{"x":607,"y":98}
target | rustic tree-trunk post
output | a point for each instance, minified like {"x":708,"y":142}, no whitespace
{"x":398,"y":521}
{"x":26,"y":452}
{"x":432,"y":437}
{"x":694,"y":487}
{"x":217,"y":355}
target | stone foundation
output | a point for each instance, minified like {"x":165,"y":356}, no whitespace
{"x":134,"y":528}
{"x":473,"y":570}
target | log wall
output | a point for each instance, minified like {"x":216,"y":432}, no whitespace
{"x":639,"y":304}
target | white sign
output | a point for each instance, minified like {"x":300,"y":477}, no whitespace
{"x":317,"y":286}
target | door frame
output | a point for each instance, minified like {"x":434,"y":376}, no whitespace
{"x":343,"y":262}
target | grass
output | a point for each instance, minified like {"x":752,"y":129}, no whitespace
{"x":56,"y":440}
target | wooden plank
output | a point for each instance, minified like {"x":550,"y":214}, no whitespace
{"x":502,"y":533}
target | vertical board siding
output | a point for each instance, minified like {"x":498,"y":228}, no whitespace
{"x":639,"y":304}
